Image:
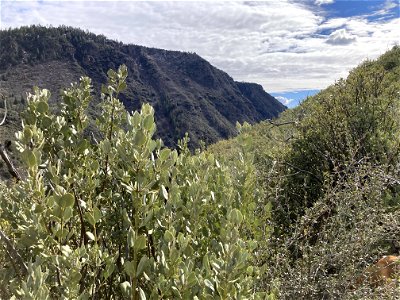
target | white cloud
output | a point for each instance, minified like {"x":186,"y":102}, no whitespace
{"x":284,"y":100}
{"x":340,"y":37}
{"x":323,"y":2}
{"x":387,"y":6}
{"x":275,"y":43}
{"x":333,"y":23}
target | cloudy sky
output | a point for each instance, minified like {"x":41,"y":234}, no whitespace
{"x":293,"y":48}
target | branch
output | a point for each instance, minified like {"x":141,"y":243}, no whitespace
{"x":11,"y":169}
{"x":13,"y":253}
{"x":5,"y":113}
{"x":303,"y":171}
{"x":281,"y":124}
{"x":94,"y":138}
{"x":83,"y":228}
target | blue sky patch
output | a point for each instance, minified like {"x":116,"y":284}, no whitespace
{"x":292,"y":99}
{"x":346,"y":9}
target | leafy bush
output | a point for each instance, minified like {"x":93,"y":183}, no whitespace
{"x":119,"y":216}
{"x":328,"y":172}
{"x":335,"y":188}
{"x":355,"y":120}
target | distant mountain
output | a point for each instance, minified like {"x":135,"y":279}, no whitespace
{"x":187,"y":92}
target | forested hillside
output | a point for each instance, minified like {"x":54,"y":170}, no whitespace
{"x":294,"y":208}
{"x":188,"y":93}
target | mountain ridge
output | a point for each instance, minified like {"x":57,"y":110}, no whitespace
{"x":187,"y":92}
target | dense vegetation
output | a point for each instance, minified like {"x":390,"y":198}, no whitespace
{"x":120,"y":216}
{"x":294,"y":208}
{"x":329,"y":170}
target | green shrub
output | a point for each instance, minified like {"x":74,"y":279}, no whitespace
{"x":120,"y":216}
{"x":355,"y":120}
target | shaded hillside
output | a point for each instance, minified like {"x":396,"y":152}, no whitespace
{"x":188,"y":94}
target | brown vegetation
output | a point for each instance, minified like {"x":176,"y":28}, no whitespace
{"x":380,"y":273}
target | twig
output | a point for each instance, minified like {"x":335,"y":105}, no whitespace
{"x":83,"y":229}
{"x":281,"y":124}
{"x":94,"y":138}
{"x":303,"y":171}
{"x":5,"y":113}
{"x":11,"y":169}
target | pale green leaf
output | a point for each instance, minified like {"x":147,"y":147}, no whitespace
{"x":236,"y":216}
{"x":67,"y":200}
{"x":136,"y":118}
{"x":66,"y":250}
{"x":131,"y":237}
{"x":140,"y":138}
{"x":57,"y":211}
{"x":164,"y":153}
{"x":28,"y":133}
{"x":96,"y":214}
{"x":109,"y":270}
{"x":164,"y":192}
{"x":168,"y":236}
{"x":29,"y":158}
{"x":121,"y":86}
{"x":68,"y":212}
{"x":46,"y":121}
{"x":89,"y":217}
{"x":206,"y":263}
{"x":90,"y":235}
{"x":209,"y":284}
{"x":125,"y":287}
{"x":140,"y":242}
{"x":129,"y":267}
{"x":142,"y":294}
{"x":106,"y":146}
{"x":142,"y":265}
{"x":39,"y":208}
{"x":42,"y":107}
{"x":148,"y":122}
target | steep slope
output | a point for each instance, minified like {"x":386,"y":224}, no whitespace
{"x":188,"y":93}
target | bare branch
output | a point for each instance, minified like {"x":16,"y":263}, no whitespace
{"x":94,"y":138}
{"x":3,"y":153}
{"x":303,"y":171}
{"x":11,"y":169}
{"x":5,"y":113}
{"x":83,"y":238}
{"x":281,"y":124}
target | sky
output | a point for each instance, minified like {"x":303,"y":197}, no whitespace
{"x":292,"y":48}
